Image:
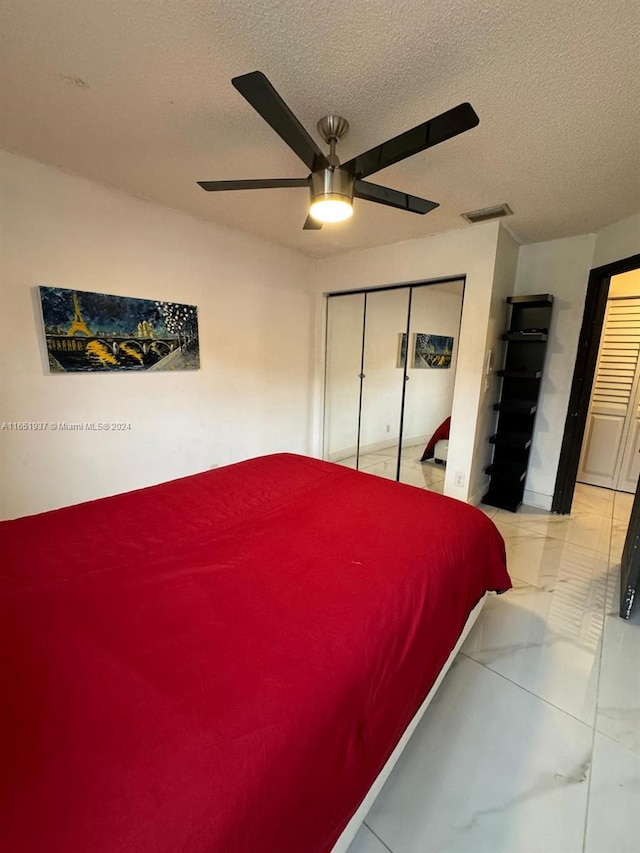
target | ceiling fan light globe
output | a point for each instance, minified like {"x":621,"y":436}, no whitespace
{"x":327,"y":209}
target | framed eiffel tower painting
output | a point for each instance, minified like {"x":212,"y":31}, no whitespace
{"x":88,"y":332}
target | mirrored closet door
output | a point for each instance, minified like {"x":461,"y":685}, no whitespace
{"x":382,"y":385}
{"x":390,"y":368}
{"x":433,"y":349}
{"x":343,"y":383}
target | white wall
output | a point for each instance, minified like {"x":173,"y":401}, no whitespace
{"x":504,"y":277}
{"x":251,"y":395}
{"x":469,"y":253}
{"x":618,"y":241}
{"x":559,"y":267}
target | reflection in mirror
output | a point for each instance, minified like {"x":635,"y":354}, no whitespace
{"x":386,"y":322}
{"x":345,"y":318}
{"x":432,"y":354}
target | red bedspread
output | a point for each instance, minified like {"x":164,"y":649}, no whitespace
{"x":223,"y":663}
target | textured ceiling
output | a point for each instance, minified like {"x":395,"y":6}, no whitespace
{"x":136,"y":94}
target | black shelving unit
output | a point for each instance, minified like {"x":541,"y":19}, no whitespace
{"x":526,"y":340}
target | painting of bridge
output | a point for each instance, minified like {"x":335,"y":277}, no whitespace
{"x":429,"y":350}
{"x":87,"y":332}
{"x":432,"y":351}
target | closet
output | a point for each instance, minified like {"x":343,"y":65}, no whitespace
{"x":390,"y":365}
{"x":611,"y":449}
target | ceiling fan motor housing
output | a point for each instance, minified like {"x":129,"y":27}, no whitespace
{"x":332,"y":184}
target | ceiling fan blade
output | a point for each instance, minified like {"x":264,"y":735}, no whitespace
{"x":257,"y":89}
{"x":426,"y":135}
{"x":311,"y":224}
{"x":394,"y":198}
{"x":257,"y":184}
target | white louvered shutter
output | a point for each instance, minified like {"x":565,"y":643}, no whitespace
{"x":613,"y":405}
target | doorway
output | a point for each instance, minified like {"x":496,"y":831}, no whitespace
{"x":611,"y":448}
{"x":589,"y":345}
{"x":583,"y":376}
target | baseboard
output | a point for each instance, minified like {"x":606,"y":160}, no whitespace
{"x":476,"y":498}
{"x":537,"y":499}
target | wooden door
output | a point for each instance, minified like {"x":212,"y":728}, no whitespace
{"x":612,"y":437}
{"x":629,"y":468}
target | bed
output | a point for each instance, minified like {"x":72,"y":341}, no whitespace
{"x":224,"y":663}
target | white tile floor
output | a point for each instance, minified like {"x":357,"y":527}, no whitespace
{"x":424,"y":475}
{"x":532,"y":743}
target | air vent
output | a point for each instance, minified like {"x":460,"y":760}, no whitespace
{"x":486,"y":213}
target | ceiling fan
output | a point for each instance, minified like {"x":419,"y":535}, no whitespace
{"x":334,"y":185}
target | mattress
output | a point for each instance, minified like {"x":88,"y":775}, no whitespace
{"x":223,"y":663}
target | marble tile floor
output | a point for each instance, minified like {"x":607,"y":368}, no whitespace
{"x":532,"y":743}
{"x":425,"y":475}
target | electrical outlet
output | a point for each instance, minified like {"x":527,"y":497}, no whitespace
{"x":388,"y":427}
{"x":459,"y":479}
{"x":213,"y":465}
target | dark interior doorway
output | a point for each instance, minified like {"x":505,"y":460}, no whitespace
{"x":583,"y":376}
